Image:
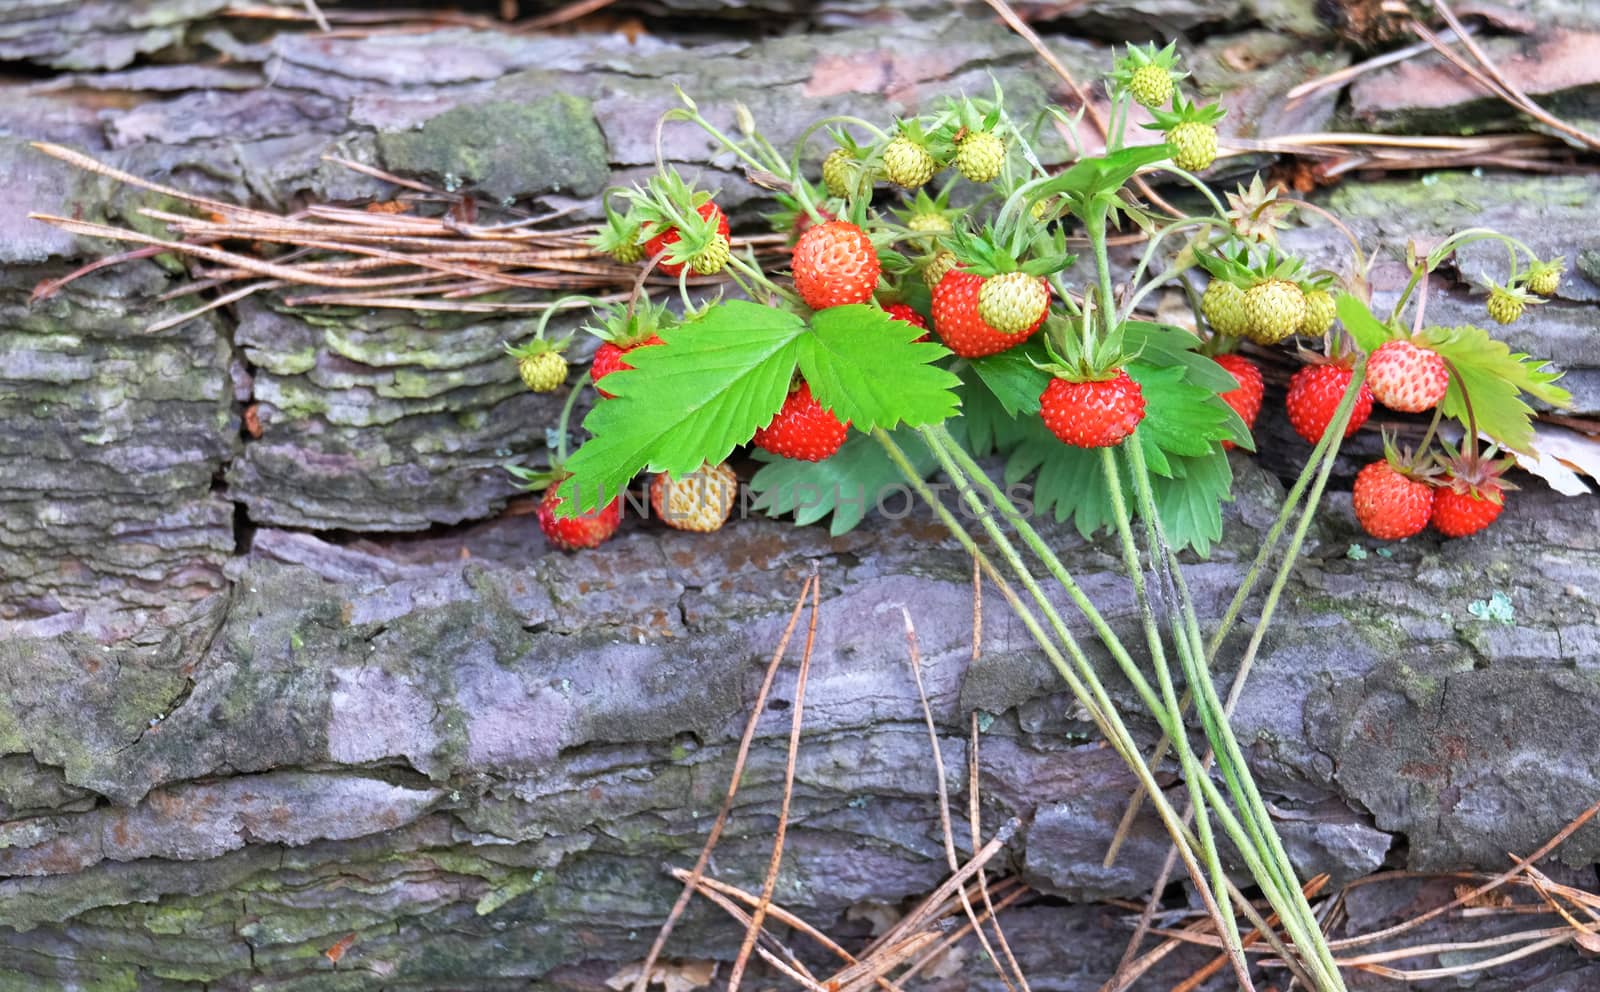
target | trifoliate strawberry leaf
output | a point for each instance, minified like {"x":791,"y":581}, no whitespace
{"x":1163,"y":344}
{"x":1190,"y":502}
{"x":866,"y":367}
{"x":858,"y":478}
{"x":1071,"y":482}
{"x":1487,"y":372}
{"x":1067,"y":481}
{"x":987,"y":424}
{"x":1180,"y":417}
{"x":690,"y":400}
{"x":1368,"y":331}
{"x":1013,"y":378}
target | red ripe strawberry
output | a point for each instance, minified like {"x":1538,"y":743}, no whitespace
{"x":1092,"y":414}
{"x":586,"y":530}
{"x":1246,"y":400}
{"x":608,"y":359}
{"x":900,"y":311}
{"x":1389,"y":505}
{"x":956,"y":320}
{"x":802,"y":429}
{"x":1314,"y":394}
{"x":1458,"y":514}
{"x":835,"y":264}
{"x":670,"y":236}
{"x":1407,"y":378}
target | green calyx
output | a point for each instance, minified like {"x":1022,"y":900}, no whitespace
{"x":1025,"y":246}
{"x":537,"y":346}
{"x":668,"y":201}
{"x":1475,"y":474}
{"x":1185,"y":112}
{"x":1147,"y":74}
{"x":928,"y":216}
{"x":1073,"y":358}
{"x":620,"y":235}
{"x":623,"y":327}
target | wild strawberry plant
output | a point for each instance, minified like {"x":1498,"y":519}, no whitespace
{"x":1120,"y":422}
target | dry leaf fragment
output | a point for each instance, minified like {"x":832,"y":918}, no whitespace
{"x":343,"y":944}
{"x":681,"y":976}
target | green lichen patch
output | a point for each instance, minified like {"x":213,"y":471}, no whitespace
{"x":506,"y":150}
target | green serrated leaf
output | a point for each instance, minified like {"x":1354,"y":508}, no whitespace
{"x":866,"y":367}
{"x":1068,"y":482}
{"x":1368,"y":331}
{"x":1163,"y":344}
{"x":688,"y":401}
{"x":1486,"y":371}
{"x":858,"y":478}
{"x":986,"y":425}
{"x":1190,"y":502}
{"x":1180,"y":417}
{"x":1013,"y":378}
{"x":1093,"y":177}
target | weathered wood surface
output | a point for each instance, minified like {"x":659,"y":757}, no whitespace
{"x":236,"y":730}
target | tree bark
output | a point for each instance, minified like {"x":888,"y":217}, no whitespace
{"x":271,"y":696}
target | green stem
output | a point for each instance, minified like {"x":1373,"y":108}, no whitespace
{"x":1293,"y":909}
{"x":1094,"y":222}
{"x":1088,"y":688}
{"x":1193,"y":774}
{"x":939,"y":439}
{"x":1119,"y":121}
{"x":563,"y":422}
{"x":565,"y":303}
{"x":1149,"y":256}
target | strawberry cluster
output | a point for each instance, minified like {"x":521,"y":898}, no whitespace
{"x":895,"y":307}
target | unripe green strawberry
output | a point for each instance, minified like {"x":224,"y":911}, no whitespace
{"x":1391,"y":506}
{"x":700,"y":501}
{"x":928,"y":223}
{"x":1320,"y":313}
{"x":1504,"y":306}
{"x":1273,"y":310}
{"x":1194,"y":145}
{"x":1151,"y":85}
{"x":1012,"y":302}
{"x":980,"y":156}
{"x":938,"y":265}
{"x":839,"y":171}
{"x":907,"y":164}
{"x":544,"y":372}
{"x":1092,"y":414}
{"x":957,"y":322}
{"x":709,"y":260}
{"x":628,"y":252}
{"x":1222,"y":304}
{"x":1407,"y":378}
{"x":1544,"y":278}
